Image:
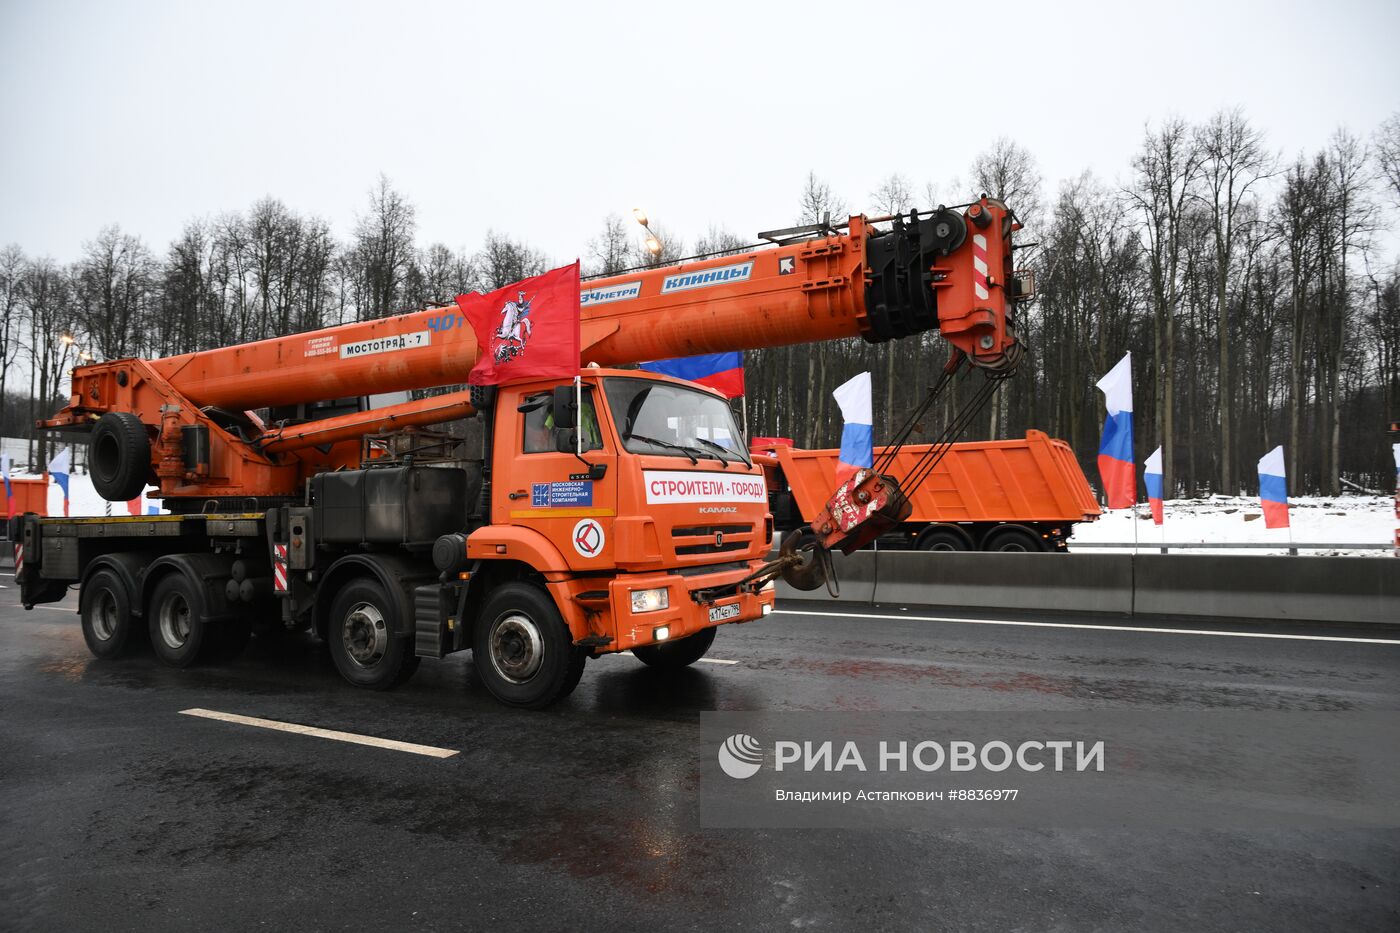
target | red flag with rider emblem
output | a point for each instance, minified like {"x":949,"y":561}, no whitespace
{"x":529,"y":330}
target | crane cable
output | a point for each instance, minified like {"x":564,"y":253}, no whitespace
{"x":929,"y":460}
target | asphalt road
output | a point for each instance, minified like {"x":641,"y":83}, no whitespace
{"x":119,"y":813}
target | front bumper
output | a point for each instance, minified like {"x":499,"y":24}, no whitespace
{"x":684,"y":615}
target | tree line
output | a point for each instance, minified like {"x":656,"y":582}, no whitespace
{"x":1251,"y":289}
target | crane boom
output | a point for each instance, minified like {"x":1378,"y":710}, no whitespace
{"x":949,"y":269}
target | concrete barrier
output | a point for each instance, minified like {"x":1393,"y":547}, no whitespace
{"x":995,"y":580}
{"x":1324,"y":589}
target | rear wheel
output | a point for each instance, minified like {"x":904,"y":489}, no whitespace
{"x":362,"y":638}
{"x":942,"y":539}
{"x":679,"y":653}
{"x":178,"y":629}
{"x":1013,"y":538}
{"x":522,"y":649}
{"x":105,"y":607}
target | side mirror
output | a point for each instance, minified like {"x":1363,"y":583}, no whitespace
{"x":565,"y":410}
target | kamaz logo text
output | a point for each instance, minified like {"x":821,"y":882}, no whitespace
{"x":704,"y":278}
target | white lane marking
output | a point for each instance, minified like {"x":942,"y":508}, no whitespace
{"x":1103,"y":628}
{"x":706,"y":660}
{"x":429,"y":750}
{"x":58,"y":608}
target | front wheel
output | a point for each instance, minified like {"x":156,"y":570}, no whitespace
{"x":363,"y":640}
{"x":679,"y":653}
{"x":522,"y":649}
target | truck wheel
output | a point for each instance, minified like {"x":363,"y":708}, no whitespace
{"x":105,"y":607}
{"x":119,"y":456}
{"x":678,"y":653}
{"x":177,"y":626}
{"x":522,"y":649}
{"x":942,"y":539}
{"x":361,"y":637}
{"x":1013,"y":538}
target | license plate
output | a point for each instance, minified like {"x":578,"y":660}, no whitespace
{"x":720,"y":613}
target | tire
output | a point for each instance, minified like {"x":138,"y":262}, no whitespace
{"x":179,"y":632}
{"x":361,"y":636}
{"x":942,"y":539}
{"x":1013,"y":538}
{"x":679,"y":653}
{"x":105,"y":607}
{"x":119,"y":456}
{"x":522,"y":649}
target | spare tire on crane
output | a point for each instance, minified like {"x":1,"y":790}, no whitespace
{"x":119,"y":456}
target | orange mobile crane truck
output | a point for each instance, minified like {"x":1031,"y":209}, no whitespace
{"x":298,"y":494}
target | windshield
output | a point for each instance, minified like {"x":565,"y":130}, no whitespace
{"x":670,"y":420}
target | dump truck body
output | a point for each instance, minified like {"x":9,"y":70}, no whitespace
{"x":988,"y":495}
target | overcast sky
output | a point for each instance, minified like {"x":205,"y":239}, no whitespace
{"x":541,"y":119}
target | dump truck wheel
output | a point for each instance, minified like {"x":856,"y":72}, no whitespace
{"x":1013,"y":538}
{"x":105,"y":607}
{"x":679,"y":653}
{"x":179,"y":633}
{"x":522,"y":649}
{"x":943,"y":539}
{"x":362,"y":641}
{"x":119,"y":456}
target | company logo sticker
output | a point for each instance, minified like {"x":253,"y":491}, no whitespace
{"x":681,"y":486}
{"x":740,"y":756}
{"x":704,"y":278}
{"x":588,"y":538}
{"x":389,"y":344}
{"x":610,"y":293}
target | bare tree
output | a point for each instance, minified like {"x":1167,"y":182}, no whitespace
{"x":720,"y":242}
{"x":48,"y":302}
{"x":892,"y":196}
{"x":115,"y":283}
{"x":1233,"y":162}
{"x":611,"y":250}
{"x":1387,"y":149}
{"x":12,"y":267}
{"x":503,"y":261}
{"x":1008,"y":172}
{"x":818,"y":204}
{"x":1166,"y":169}
{"x":383,"y":251}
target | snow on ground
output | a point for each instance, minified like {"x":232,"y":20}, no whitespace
{"x":1238,"y":520}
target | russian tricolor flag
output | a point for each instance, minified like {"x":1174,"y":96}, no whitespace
{"x":857,"y":437}
{"x":58,"y":469}
{"x":1116,"y":467}
{"x":9,"y":490}
{"x":722,"y":371}
{"x":1152,"y":479}
{"x":1273,"y":489}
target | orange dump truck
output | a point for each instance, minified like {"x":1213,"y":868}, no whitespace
{"x":1017,"y":495}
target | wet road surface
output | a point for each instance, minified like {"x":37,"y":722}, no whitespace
{"x":119,"y":813}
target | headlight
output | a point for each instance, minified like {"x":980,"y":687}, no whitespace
{"x":651,"y":600}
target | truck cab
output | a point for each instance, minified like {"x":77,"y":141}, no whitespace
{"x":633,"y":497}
